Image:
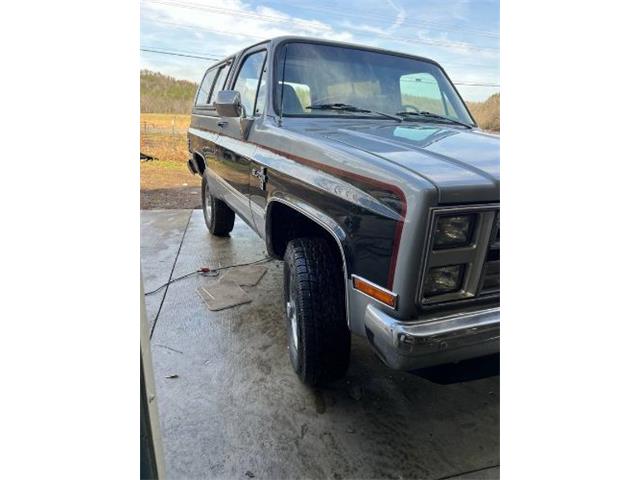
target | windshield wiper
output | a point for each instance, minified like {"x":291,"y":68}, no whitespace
{"x":434,"y":116}
{"x":345,"y":107}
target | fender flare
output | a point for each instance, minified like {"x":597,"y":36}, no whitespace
{"x":194,"y":162}
{"x":322,"y":220}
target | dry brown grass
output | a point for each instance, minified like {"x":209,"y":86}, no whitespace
{"x":487,"y":113}
{"x":165,"y":120}
{"x":164,"y":136}
{"x":166,"y":182}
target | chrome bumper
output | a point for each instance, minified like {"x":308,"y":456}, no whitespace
{"x":423,"y":343}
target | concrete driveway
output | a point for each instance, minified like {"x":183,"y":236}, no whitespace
{"x":231,"y":407}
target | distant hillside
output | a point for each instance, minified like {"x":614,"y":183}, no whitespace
{"x":163,"y":94}
{"x":487,"y":113}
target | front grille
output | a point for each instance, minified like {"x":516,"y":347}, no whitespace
{"x":479,"y":260}
{"x":491,"y":270}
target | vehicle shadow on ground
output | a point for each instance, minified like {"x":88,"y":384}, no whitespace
{"x":465,"y":371}
{"x":440,"y":421}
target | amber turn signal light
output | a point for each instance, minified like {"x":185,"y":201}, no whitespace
{"x":374,"y":291}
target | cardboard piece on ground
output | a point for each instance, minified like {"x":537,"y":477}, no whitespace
{"x":248,"y":275}
{"x":223,"y":294}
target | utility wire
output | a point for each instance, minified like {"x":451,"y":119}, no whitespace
{"x":178,"y":54}
{"x":207,"y":54}
{"x":466,"y":84}
{"x":258,"y":37}
{"x":204,"y":29}
{"x":193,"y":55}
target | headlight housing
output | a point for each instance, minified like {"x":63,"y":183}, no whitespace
{"x":453,"y":231}
{"x":444,"y":280}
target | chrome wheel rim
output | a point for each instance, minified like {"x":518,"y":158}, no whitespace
{"x":293,"y":321}
{"x":208,"y":204}
{"x":292,"y":317}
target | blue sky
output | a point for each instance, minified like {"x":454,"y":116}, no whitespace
{"x":462,"y":35}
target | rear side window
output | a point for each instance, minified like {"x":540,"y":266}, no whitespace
{"x":205,"y":87}
{"x":248,"y":80}
{"x":421,"y":92}
{"x":219,"y":82}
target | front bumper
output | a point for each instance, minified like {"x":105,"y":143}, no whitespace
{"x":424,"y":343}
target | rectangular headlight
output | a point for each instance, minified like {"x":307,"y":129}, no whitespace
{"x":453,"y":231}
{"x":444,"y":280}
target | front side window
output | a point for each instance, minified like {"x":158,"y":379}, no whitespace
{"x":249,"y":79}
{"x":312,"y":75}
{"x":205,"y":87}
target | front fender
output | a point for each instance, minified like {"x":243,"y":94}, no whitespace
{"x":322,"y":219}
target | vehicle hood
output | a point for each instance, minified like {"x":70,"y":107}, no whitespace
{"x":463,"y":164}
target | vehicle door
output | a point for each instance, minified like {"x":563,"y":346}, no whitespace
{"x":234,"y":139}
{"x":203,"y":128}
{"x":226,"y":165}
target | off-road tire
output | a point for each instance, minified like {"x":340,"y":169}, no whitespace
{"x":217,"y":215}
{"x":313,"y":279}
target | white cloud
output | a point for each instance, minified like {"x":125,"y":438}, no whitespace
{"x":220,"y":27}
{"x":400,"y":18}
{"x":230,"y":22}
{"x":362,"y":27}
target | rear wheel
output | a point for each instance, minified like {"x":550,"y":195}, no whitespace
{"x":315,"y":314}
{"x":217,"y":215}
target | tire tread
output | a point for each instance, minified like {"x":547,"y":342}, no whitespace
{"x":223,"y":216}
{"x":326,"y":339}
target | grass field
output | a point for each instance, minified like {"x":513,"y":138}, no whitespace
{"x":166,"y":182}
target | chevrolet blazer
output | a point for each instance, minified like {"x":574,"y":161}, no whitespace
{"x":365,"y":172}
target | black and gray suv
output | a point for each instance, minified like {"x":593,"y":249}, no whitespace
{"x":364,"y":170}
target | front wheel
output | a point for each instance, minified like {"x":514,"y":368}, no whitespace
{"x":315,"y":314}
{"x":217,"y":215}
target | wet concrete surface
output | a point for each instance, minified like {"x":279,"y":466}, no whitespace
{"x":237,"y":410}
{"x":161,"y":233}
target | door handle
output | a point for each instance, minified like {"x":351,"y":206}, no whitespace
{"x":222,"y":123}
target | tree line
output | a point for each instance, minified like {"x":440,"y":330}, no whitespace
{"x":161,"y":93}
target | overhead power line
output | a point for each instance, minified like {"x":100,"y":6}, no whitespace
{"x":207,"y":54}
{"x":258,"y":37}
{"x":178,"y":54}
{"x":307,"y":23}
{"x":466,"y":84}
{"x":203,"y":57}
{"x":206,"y":29}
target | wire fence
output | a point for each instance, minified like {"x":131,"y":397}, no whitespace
{"x":165,"y":138}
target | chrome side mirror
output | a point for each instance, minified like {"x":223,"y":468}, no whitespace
{"x":228,"y":104}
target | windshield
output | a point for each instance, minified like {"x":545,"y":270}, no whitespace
{"x":327,"y":74}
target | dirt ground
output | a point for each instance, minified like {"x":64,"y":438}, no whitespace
{"x":165,"y":181}
{"x":168,"y":185}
